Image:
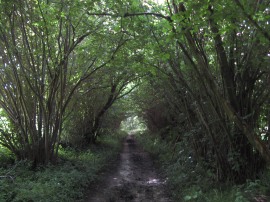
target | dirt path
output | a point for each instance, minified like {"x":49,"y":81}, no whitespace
{"x":135,"y":179}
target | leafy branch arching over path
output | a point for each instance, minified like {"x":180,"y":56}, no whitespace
{"x":197,"y":72}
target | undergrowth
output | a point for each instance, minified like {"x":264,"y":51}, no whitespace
{"x":190,"y":181}
{"x":66,"y":181}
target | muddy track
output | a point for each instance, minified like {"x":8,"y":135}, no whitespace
{"x":134,"y":179}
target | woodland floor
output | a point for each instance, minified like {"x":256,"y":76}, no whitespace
{"x":133,"y":178}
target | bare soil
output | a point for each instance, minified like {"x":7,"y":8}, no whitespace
{"x":134,"y":178}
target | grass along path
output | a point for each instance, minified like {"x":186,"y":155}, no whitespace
{"x":67,"y":181}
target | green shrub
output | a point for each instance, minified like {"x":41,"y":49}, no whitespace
{"x":6,"y":157}
{"x":190,"y":181}
{"x":66,"y":181}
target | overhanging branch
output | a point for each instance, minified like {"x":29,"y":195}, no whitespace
{"x":250,"y":18}
{"x":132,"y":14}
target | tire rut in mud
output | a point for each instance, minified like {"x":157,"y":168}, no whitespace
{"x":135,"y":179}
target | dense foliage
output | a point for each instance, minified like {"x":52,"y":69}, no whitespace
{"x":69,"y":180}
{"x":51,"y":54}
{"x":209,"y":84}
{"x":190,"y":181}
